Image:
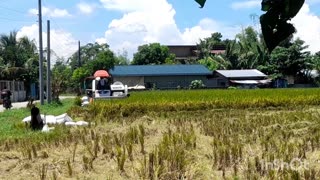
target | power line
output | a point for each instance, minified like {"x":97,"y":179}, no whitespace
{"x":62,"y":34}
{"x":16,"y":20}
{"x":72,"y":51}
{"x":14,"y":10}
{"x":55,"y":40}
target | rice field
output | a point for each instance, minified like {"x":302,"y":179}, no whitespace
{"x":205,"y":134}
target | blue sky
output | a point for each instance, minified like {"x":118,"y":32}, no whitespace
{"x":126,"y":24}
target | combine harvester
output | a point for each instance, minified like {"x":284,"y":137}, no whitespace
{"x":101,"y":88}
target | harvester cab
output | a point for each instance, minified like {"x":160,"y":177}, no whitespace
{"x":100,"y":86}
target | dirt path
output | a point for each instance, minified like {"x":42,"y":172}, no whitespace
{"x":19,"y":105}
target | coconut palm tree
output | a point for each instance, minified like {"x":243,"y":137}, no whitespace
{"x":247,"y":51}
{"x":14,"y":55}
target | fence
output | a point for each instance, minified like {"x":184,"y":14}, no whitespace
{"x":16,"y":88}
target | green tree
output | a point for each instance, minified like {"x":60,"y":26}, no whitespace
{"x":78,"y":77}
{"x":61,"y":74}
{"x":80,"y":74}
{"x":153,"y":53}
{"x":231,"y":55}
{"x":316,"y":61}
{"x":288,"y":60}
{"x":210,"y":60}
{"x":315,"y":65}
{"x":89,"y":52}
{"x":207,"y":44}
{"x":17,"y":56}
{"x":171,"y":59}
{"x":93,"y":57}
{"x":210,"y":63}
{"x":250,"y":49}
{"x":274,"y":25}
{"x":104,"y":60}
{"x":122,"y":58}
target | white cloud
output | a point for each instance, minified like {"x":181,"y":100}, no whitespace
{"x":51,"y":12}
{"x":86,"y":8}
{"x":101,"y":40}
{"x":308,"y":28}
{"x":62,"y":43}
{"x":246,"y":4}
{"x":136,"y":5}
{"x":146,"y":21}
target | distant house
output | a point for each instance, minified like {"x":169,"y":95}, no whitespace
{"x":183,"y":52}
{"x":17,"y":89}
{"x":159,"y":76}
{"x":240,"y":78}
{"x":190,"y":52}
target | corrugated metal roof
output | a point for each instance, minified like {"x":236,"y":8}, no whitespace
{"x":241,"y":73}
{"x":160,"y":70}
{"x":251,"y":81}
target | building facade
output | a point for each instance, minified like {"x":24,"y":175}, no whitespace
{"x":17,"y":89}
{"x":189,"y":53}
{"x":159,"y":76}
{"x":250,"y":78}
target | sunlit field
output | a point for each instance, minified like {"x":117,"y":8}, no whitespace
{"x":200,"y":134}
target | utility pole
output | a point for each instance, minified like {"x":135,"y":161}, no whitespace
{"x":79,"y":62}
{"x":79,"y":55}
{"x":48,"y":64}
{"x":41,"y":87}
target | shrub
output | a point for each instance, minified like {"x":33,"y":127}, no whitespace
{"x":232,"y":87}
{"x":77,"y":101}
{"x":197,"y":84}
{"x":154,"y":86}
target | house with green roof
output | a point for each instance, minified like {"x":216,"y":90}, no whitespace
{"x":159,"y":76}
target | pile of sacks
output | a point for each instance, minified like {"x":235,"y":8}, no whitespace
{"x":52,"y":120}
{"x":85,"y":101}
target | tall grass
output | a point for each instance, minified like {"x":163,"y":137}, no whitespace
{"x":12,"y":127}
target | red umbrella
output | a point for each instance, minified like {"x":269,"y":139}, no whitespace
{"x":101,"y":73}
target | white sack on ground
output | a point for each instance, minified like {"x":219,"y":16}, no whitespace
{"x":50,"y":119}
{"x":61,"y":119}
{"x":46,"y":128}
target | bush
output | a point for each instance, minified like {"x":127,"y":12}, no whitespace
{"x":77,"y":101}
{"x":154,"y":86}
{"x":197,"y":84}
{"x":232,"y":87}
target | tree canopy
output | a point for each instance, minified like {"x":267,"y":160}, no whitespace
{"x":89,"y":52}
{"x":61,"y":74}
{"x":93,"y":57}
{"x":18,"y":58}
{"x":290,"y":59}
{"x":248,"y":51}
{"x":153,"y":53}
{"x":274,"y":23}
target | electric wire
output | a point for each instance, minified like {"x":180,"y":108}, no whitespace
{"x":62,"y":34}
